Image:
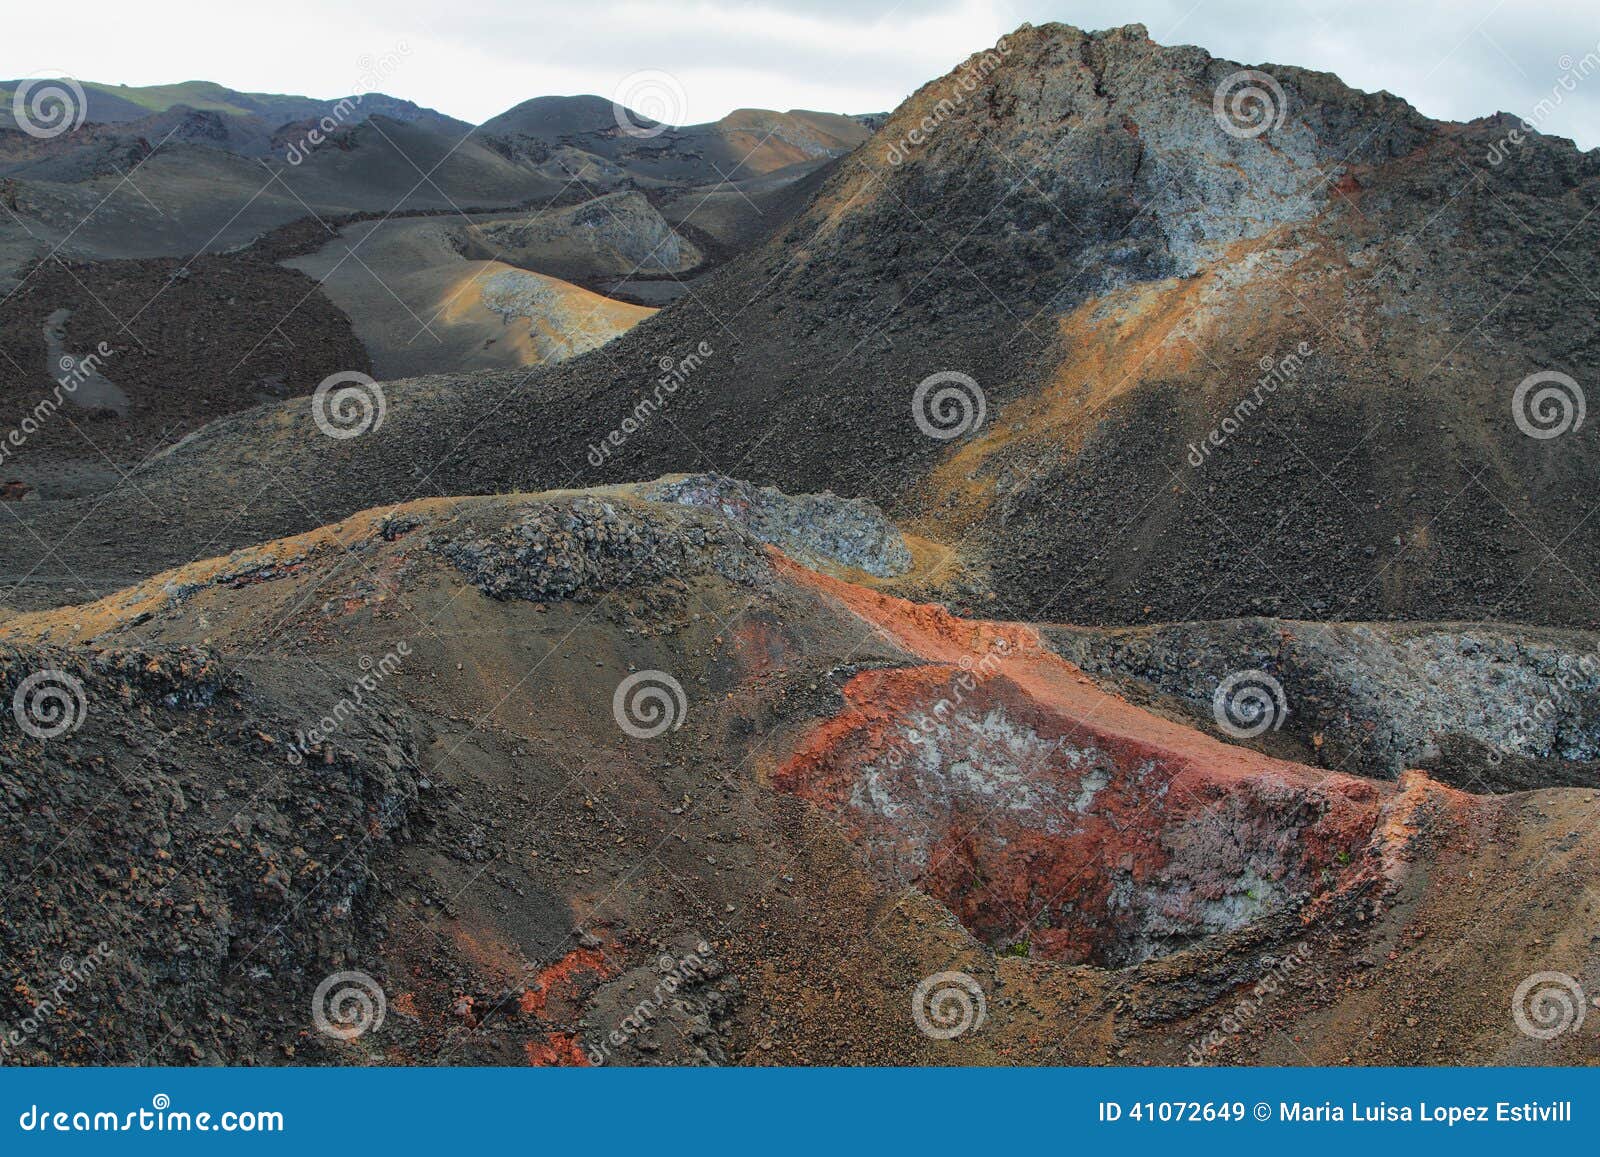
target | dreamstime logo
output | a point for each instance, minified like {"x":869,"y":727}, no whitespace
{"x":1248,"y":103}
{"x":49,"y":703}
{"x":1547,"y":405}
{"x":374,"y":71}
{"x":655,"y":96}
{"x":1540,"y":724}
{"x":348,"y":1005}
{"x":377,"y":69}
{"x":1244,"y":1012}
{"x":948,"y":1004}
{"x":948,"y":404}
{"x":47,"y":108}
{"x":322,"y":131}
{"x":972,"y":673}
{"x":676,"y":975}
{"x":1248,"y":703}
{"x":1279,"y":372}
{"x":649,"y":703}
{"x":1548,"y":1004}
{"x":348,"y":404}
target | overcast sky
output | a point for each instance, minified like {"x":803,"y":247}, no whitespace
{"x":1454,"y":59}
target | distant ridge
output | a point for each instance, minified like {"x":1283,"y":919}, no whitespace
{"x":121,"y":104}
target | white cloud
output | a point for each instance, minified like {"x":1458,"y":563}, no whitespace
{"x":1454,"y":59}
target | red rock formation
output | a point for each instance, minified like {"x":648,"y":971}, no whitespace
{"x":1042,"y":810}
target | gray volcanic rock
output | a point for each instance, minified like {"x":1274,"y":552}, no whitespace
{"x":1487,"y":707}
{"x":811,"y":527}
{"x":766,"y":776}
{"x":619,"y":233}
{"x":554,"y":118}
{"x":744,"y":144}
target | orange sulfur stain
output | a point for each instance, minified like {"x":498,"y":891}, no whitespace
{"x":562,"y":979}
{"x":558,"y":1050}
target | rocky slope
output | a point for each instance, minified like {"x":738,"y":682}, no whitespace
{"x":103,"y":193}
{"x":178,"y":838}
{"x":420,"y":304}
{"x":208,"y":336}
{"x":120,"y":104}
{"x":198,"y":148}
{"x":603,"y":778}
{"x":1073,"y":734}
{"x":1223,"y":372}
{"x":619,"y":235}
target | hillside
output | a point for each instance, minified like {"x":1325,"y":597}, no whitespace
{"x":746,"y":143}
{"x":517,"y":759}
{"x":1366,"y":279}
{"x":121,"y":103}
{"x":425,"y":301}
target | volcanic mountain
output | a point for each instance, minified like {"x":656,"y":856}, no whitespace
{"x":1225,"y":368}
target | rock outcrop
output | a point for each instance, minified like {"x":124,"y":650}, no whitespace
{"x":816,"y":529}
{"x":1479,"y":705}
